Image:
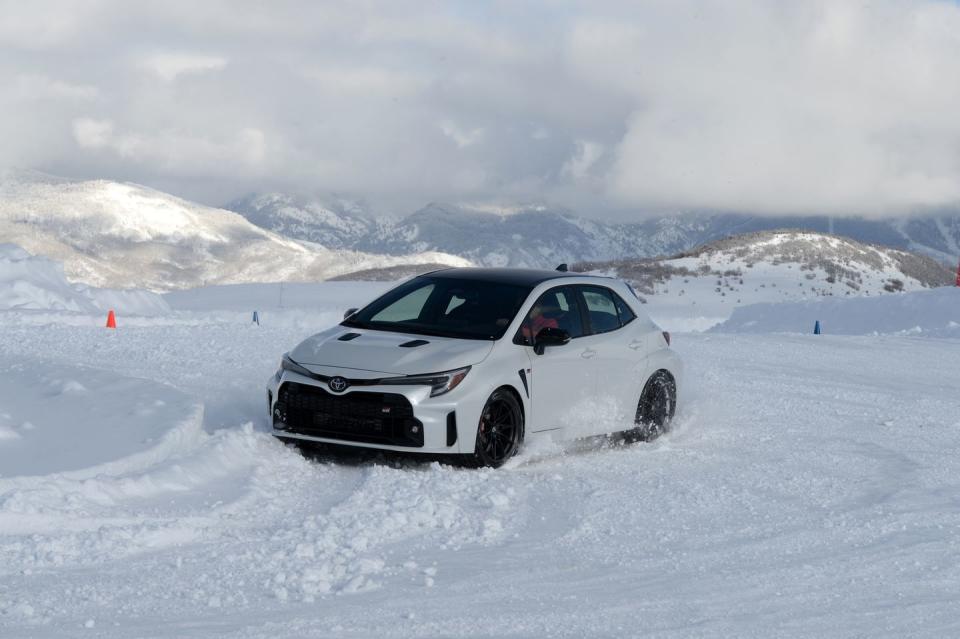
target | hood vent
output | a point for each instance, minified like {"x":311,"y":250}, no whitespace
{"x":346,"y":337}
{"x":414,"y":343}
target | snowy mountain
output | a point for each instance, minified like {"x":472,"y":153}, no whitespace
{"x":523,"y":236}
{"x":125,"y":235}
{"x":539,"y":236}
{"x":705,"y":284}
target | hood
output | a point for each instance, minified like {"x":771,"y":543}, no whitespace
{"x":381,"y":352}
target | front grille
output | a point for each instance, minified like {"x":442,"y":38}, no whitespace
{"x":376,"y":418}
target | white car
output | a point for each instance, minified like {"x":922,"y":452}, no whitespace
{"x":471,"y":361}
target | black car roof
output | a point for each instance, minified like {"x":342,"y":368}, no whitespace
{"x":518,"y":276}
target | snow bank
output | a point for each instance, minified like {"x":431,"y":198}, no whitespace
{"x":33,"y":283}
{"x":933,"y":313}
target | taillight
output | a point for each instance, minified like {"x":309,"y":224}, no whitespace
{"x":666,"y":336}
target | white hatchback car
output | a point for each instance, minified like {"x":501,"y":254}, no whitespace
{"x":470,"y":361}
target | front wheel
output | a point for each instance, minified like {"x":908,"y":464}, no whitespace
{"x":500,"y":430}
{"x":656,"y":407}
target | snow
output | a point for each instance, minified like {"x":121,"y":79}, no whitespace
{"x":932,"y":313}
{"x":33,"y":283}
{"x":808,"y":488}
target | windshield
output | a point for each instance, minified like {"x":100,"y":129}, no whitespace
{"x":444,"y":307}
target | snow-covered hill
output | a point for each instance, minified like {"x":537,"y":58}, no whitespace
{"x":541,"y":236}
{"x":704,"y":285}
{"x":124,"y":235}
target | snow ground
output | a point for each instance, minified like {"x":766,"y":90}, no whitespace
{"x":809,"y":488}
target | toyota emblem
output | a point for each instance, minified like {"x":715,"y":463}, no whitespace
{"x":338,"y":384}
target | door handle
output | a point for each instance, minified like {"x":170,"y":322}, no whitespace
{"x":587,"y":354}
{"x":636,"y":344}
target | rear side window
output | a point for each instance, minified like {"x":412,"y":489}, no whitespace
{"x":601,"y":308}
{"x":624,"y":311}
{"x":607,"y":310}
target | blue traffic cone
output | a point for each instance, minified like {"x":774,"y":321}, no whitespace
{"x":816,"y":328}
{"x":256,"y":318}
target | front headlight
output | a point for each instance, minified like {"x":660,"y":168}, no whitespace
{"x":288,"y":364}
{"x":439,"y":383}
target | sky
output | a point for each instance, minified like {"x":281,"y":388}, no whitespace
{"x":608,"y":108}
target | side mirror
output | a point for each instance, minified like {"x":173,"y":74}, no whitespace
{"x":549,"y":336}
{"x":350,"y":311}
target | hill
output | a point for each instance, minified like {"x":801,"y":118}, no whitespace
{"x":125,"y":235}
{"x":705,"y":284}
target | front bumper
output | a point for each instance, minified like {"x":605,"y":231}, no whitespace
{"x":398,"y":418}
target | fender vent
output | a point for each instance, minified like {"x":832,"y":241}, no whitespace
{"x":451,"y":428}
{"x":414,"y":343}
{"x":346,"y":337}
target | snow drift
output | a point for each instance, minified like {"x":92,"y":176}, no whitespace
{"x":33,"y":283}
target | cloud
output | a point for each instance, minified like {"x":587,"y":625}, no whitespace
{"x":585,"y":157}
{"x":169,"y":66}
{"x":92,"y":134}
{"x":826,"y":107}
{"x":460,"y":136}
{"x":29,"y":87}
{"x":660,"y":105}
{"x":244,"y":150}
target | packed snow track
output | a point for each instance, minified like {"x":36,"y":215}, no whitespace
{"x":810,"y":487}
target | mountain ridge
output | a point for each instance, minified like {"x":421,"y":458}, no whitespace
{"x":542,"y":236}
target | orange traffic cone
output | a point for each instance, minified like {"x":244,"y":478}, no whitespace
{"x":111,"y":319}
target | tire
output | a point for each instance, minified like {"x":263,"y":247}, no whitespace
{"x":499,"y":432}
{"x":655,"y":410}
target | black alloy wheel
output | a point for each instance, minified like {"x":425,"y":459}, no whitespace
{"x":500,"y":430}
{"x":656,"y":407}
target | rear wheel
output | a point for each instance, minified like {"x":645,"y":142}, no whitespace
{"x":500,"y":430}
{"x":656,"y":407}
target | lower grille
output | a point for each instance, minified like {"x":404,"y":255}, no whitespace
{"x":375,"y":418}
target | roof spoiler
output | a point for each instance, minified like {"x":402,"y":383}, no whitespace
{"x":562,"y":268}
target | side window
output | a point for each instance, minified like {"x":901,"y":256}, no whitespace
{"x":407,"y":307}
{"x":623,"y":309}
{"x":557,"y":308}
{"x":601,"y":308}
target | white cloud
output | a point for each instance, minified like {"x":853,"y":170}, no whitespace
{"x":244,"y":150}
{"x":461,"y":137}
{"x":827,"y":106}
{"x":40,"y":87}
{"x":821,"y":107}
{"x":92,"y":134}
{"x":585,"y":157}
{"x":169,"y":66}
{"x":366,"y":81}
